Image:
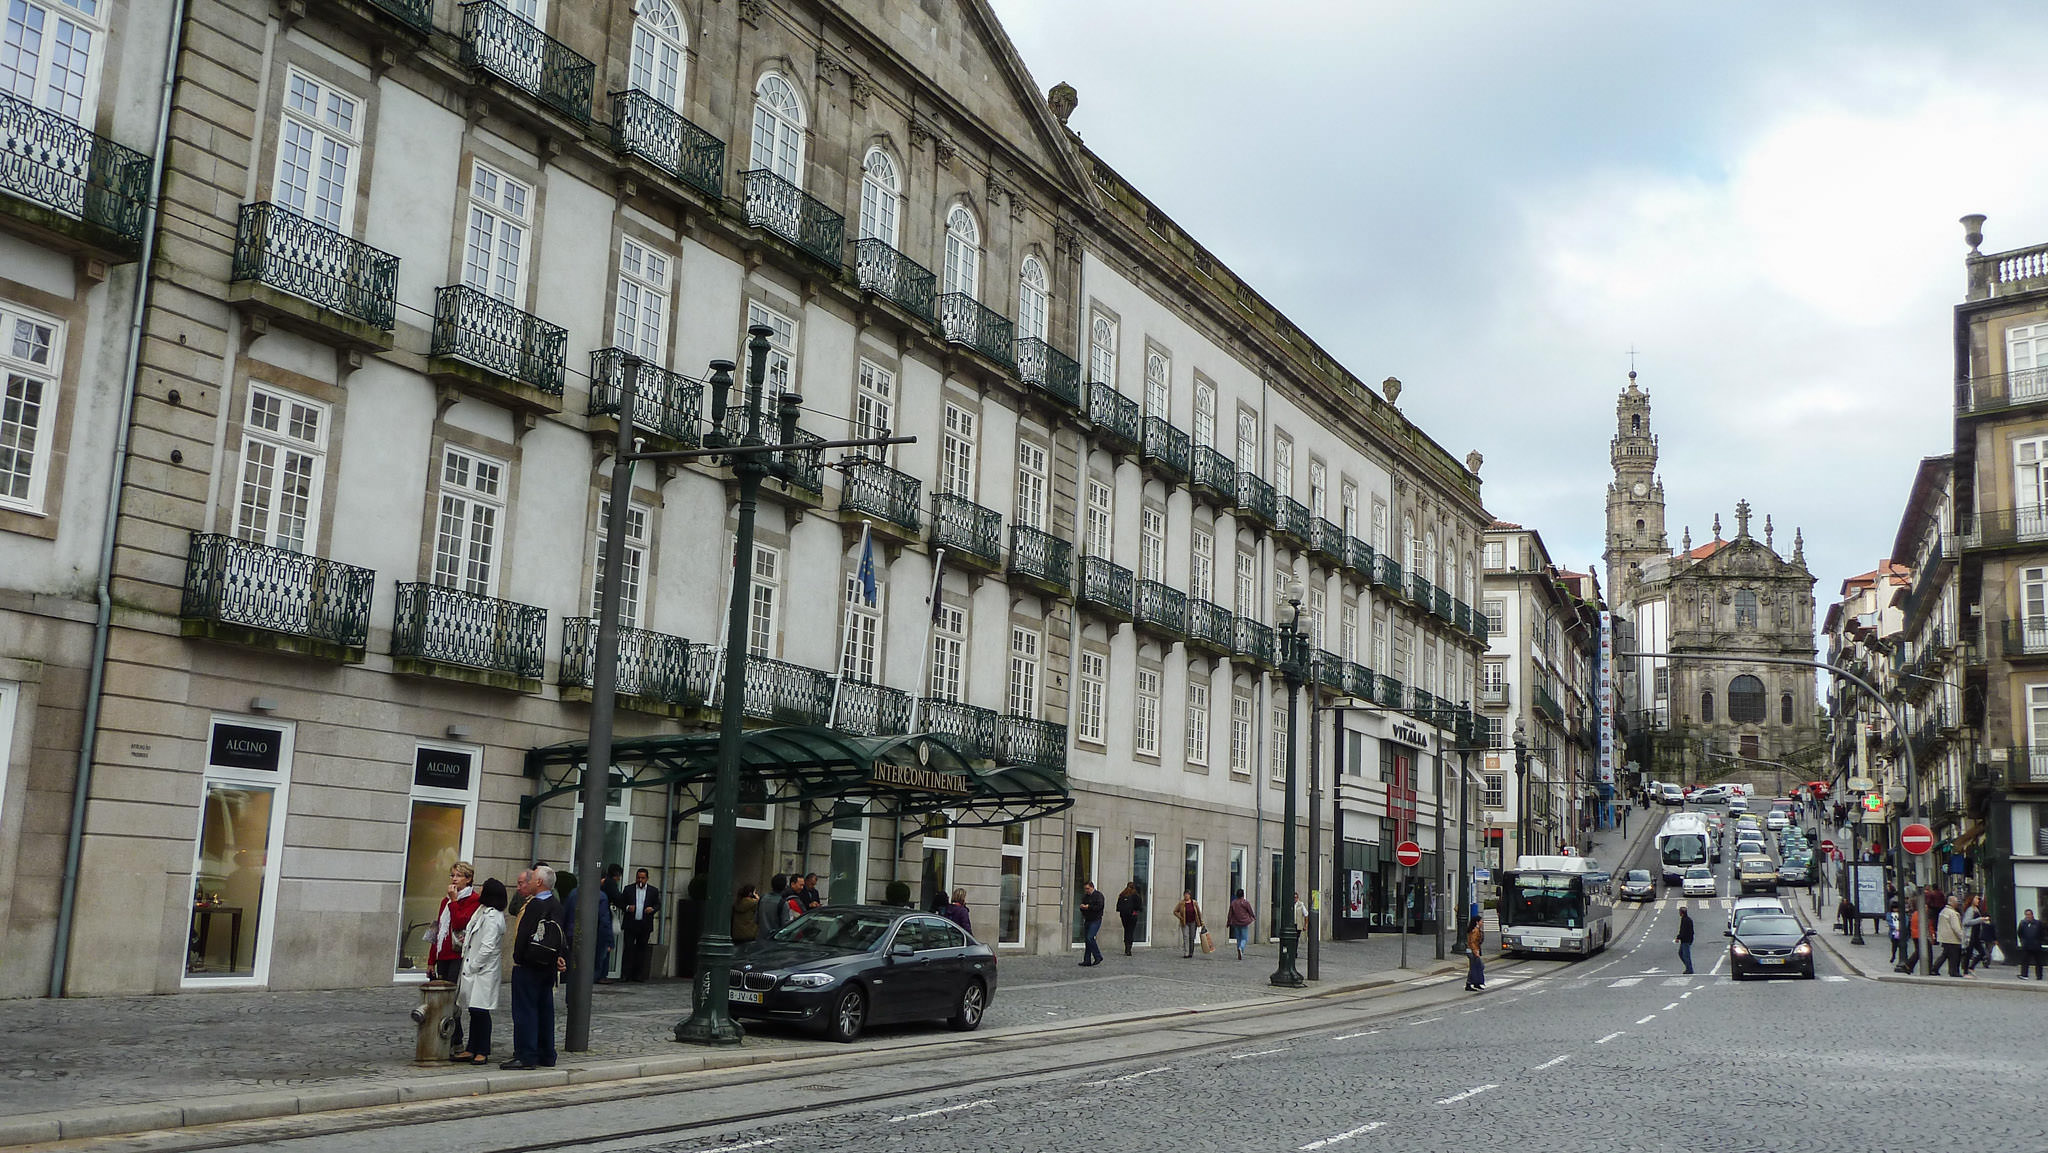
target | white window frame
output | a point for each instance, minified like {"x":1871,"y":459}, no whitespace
{"x":1283,"y":464}
{"x":470,"y":515}
{"x":1318,"y":488}
{"x":496,"y":239}
{"x":1244,"y":598}
{"x":881,"y":192}
{"x":640,"y":313}
{"x":1099,"y":520}
{"x":1032,"y":483}
{"x":466,"y":800}
{"x":1025,"y":646}
{"x":1102,"y":350}
{"x":1496,"y":613}
{"x":1145,"y":712}
{"x":633,"y":576}
{"x":63,"y":25}
{"x":1347,"y":499}
{"x":1202,"y":564}
{"x":31,"y":360}
{"x":1379,"y":526}
{"x":779,"y":131}
{"x":1243,"y":735}
{"x":1276,"y":770}
{"x":764,"y":602}
{"x":1151,"y":543}
{"x":279,"y":784}
{"x":1198,"y":720}
{"x":961,"y":270}
{"x":956,"y":460}
{"x":1034,"y":294}
{"x":326,"y":123}
{"x":860,"y":658}
{"x":949,"y":654}
{"x":1347,"y":633}
{"x":1205,"y":414}
{"x":1021,"y":853}
{"x":874,"y":400}
{"x":660,"y":58}
{"x":1158,"y":385}
{"x":781,"y":349}
{"x":1248,"y":441}
{"x":1091,"y":684}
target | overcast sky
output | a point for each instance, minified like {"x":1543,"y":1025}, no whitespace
{"x":1494,"y":201}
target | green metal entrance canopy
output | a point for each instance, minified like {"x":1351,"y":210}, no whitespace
{"x":914,"y":774}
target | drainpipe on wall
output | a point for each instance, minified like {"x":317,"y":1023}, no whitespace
{"x":81,"y":789}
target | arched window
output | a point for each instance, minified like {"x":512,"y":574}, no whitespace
{"x":1639,"y":524}
{"x":879,"y":188}
{"x":1707,"y":706}
{"x":1158,"y":390}
{"x":1745,"y":614}
{"x":658,"y":53}
{"x":1746,"y":700}
{"x":1785,"y":709}
{"x":1102,"y":351}
{"x":1635,"y":424}
{"x":963,"y":251}
{"x":778,"y":129}
{"x":1031,"y":298}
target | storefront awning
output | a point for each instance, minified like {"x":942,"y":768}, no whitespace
{"x":909,"y":775}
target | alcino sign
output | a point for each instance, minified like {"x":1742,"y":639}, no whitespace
{"x":922,"y":779}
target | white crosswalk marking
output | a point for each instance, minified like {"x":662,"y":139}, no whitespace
{"x":1625,"y":982}
{"x":1680,"y":982}
{"x":1833,"y":977}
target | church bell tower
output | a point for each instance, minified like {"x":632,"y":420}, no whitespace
{"x":1635,"y":498}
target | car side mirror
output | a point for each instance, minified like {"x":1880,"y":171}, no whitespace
{"x":901,"y":950}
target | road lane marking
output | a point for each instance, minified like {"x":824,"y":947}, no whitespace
{"x":1560,"y":1059}
{"x":1127,"y":1077}
{"x":1610,"y":1037}
{"x":1260,"y":1053}
{"x":1346,"y":1135}
{"x":1430,"y":981}
{"x":932,"y":1112}
{"x":1671,"y":1006}
{"x":1348,"y":1036}
{"x":1480,"y":1009}
{"x":1625,"y":982}
{"x":1425,"y":1020}
{"x":1718,"y":962}
{"x":1647,"y":1019}
{"x":1683,"y":996}
{"x":1454,"y":1099}
{"x":754,"y":1144}
{"x":1678,"y":982}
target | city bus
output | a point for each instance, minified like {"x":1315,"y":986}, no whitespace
{"x":1556,"y":905}
{"x":1684,"y":841}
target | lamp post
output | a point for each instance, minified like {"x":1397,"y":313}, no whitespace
{"x":1292,"y":668}
{"x":1315,"y":826}
{"x":1521,"y":788}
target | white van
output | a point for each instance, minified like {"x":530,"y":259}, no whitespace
{"x":1672,"y":795}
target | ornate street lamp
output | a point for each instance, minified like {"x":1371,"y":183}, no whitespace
{"x":1293,"y":670}
{"x":1521,"y":788}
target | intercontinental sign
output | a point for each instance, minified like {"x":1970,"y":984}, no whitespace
{"x":920,"y":778}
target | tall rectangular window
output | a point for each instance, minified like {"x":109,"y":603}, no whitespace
{"x":1277,"y":763}
{"x":1379,"y":643}
{"x":1245,"y":596}
{"x":1283,"y":465}
{"x":1403,"y":642}
{"x":242,"y":807}
{"x":1202,"y":566}
{"x":494,"y":254}
{"x":641,"y":310}
{"x":1318,"y":488}
{"x":1241,"y":735}
{"x":1158,"y":385}
{"x":30,"y":350}
{"x":633,"y":557}
{"x":1152,"y":544}
{"x":1205,"y":414}
{"x":1494,"y":794}
{"x":956,"y":459}
{"x":1010,"y":900}
{"x":1347,"y":497}
{"x":1145,"y":721}
{"x":47,"y":55}
{"x":1198,"y":721}
{"x":1317,"y":607}
{"x":1379,"y":525}
{"x":1088,"y":712}
{"x":1097,"y":521}
{"x":1031,"y":485}
{"x":317,"y":138}
{"x":949,"y":648}
{"x":1493,"y":675}
{"x":1496,"y":617}
{"x":471,"y":508}
{"x":859,"y":661}
{"x":1023,"y":697}
{"x":874,"y":401}
{"x":764,"y":608}
{"x":284,"y":446}
{"x":442,"y":831}
{"x":1347,"y":633}
{"x":1494,"y":555}
{"x":1102,"y":351}
{"x":1248,"y":441}
{"x":781,"y":348}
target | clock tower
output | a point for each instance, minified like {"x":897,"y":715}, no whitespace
{"x":1635,"y":498}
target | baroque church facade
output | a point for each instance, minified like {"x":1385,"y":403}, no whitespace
{"x":1737,"y":598}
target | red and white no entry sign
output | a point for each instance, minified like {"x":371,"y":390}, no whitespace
{"x":1827,"y":847}
{"x":1408,"y":853}
{"x":1916,"y":838}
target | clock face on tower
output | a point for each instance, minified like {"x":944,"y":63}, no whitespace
{"x":1640,"y":488}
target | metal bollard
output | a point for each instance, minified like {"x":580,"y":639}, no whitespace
{"x":435,"y":1016}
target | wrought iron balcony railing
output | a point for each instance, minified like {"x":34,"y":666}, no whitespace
{"x":1106,"y":585}
{"x":1358,"y":557}
{"x":1461,"y":616}
{"x":1209,"y":626}
{"x":286,"y":251}
{"x":1326,"y":540}
{"x":1212,"y":472}
{"x":878,"y":490}
{"x":793,"y":214}
{"x":1443,"y":607}
{"x":1254,"y":642}
{"x":1293,"y":520}
{"x":665,"y":403}
{"x":1034,"y":743}
{"x":1421,"y":591}
{"x":644,"y":126}
{"x":1329,"y":671}
{"x":896,"y":278}
{"x":1501,"y":694}
{"x":1358,"y":681}
{"x":775,"y":691}
{"x":2004,"y":390}
{"x":1547,"y":704}
{"x":652,"y":666}
{"x":1166,"y":446}
{"x":1389,"y":693}
{"x":2004,"y":527}
{"x":452,"y":627}
{"x":1118,"y":419}
{"x":963,"y":527}
{"x":1049,"y":370}
{"x":417,"y":15}
{"x":965,"y":320}
{"x":1041,"y":558}
{"x":2026,"y":767}
{"x":1481,"y":627}
{"x":496,"y":41}
{"x":2023,"y":638}
{"x":498,"y":338}
{"x":871,"y":710}
{"x":1256,"y":499}
{"x":1422,"y":706}
{"x":48,"y":160}
{"x":1161,"y":608}
{"x":1387,"y":574}
{"x":236,"y":582}
{"x":973,"y":730}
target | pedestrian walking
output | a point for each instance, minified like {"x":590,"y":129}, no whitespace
{"x":1973,"y":921}
{"x":1891,"y":924}
{"x":1189,"y":915}
{"x":483,"y":970}
{"x":607,"y":936}
{"x":1948,"y":933}
{"x":640,"y":905}
{"x":1300,"y":915}
{"x":1475,"y":942}
{"x":956,"y":911}
{"x":774,"y":905}
{"x":540,"y":948}
{"x":1909,"y":960}
{"x":1091,"y":923}
{"x":1130,"y":905}
{"x":2031,"y":944}
{"x":1845,"y":915}
{"x":746,"y":915}
{"x":1239,"y":921}
{"x":444,"y":952}
{"x":1684,"y":937}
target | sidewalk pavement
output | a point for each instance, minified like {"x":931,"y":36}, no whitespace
{"x":1872,"y":959}
{"x":91,"y":1067}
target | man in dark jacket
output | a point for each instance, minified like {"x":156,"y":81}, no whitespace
{"x":769,"y":913}
{"x":1684,"y":937}
{"x":540,"y":951}
{"x":2031,"y":945}
{"x":1091,"y":923}
{"x":641,"y":906}
{"x":1130,"y":905}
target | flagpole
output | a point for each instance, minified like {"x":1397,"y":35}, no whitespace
{"x":924,"y":655}
{"x":846,"y":631}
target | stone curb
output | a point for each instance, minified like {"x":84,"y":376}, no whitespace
{"x":176,"y":1113}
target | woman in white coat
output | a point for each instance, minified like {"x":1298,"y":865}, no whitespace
{"x":483,"y":970}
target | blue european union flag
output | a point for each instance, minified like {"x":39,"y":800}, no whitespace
{"x":866,"y":575}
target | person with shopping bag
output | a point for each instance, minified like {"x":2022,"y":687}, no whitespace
{"x":1189,"y":915}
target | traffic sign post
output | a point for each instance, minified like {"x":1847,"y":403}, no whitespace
{"x":1409,"y":855}
{"x":1916,"y":839}
{"x":1828,"y":847}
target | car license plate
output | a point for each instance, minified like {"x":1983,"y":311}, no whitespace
{"x":1770,"y":960}
{"x":750,"y":998}
{"x":1543,"y":942}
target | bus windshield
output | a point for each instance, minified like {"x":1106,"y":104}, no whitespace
{"x":1549,"y":899}
{"x":1684,"y":849}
